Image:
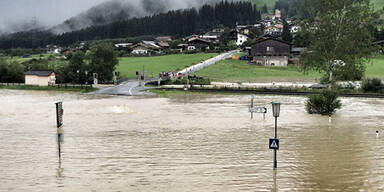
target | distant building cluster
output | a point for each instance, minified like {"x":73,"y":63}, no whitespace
{"x":266,"y":49}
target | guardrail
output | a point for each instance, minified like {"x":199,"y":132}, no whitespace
{"x":208,"y":62}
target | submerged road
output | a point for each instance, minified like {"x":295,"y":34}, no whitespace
{"x":127,"y":88}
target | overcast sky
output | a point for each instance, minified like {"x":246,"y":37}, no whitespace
{"x":49,"y":12}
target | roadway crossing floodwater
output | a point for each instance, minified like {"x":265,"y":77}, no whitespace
{"x":186,"y":143}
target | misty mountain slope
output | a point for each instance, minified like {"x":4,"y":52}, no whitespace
{"x":117,"y":10}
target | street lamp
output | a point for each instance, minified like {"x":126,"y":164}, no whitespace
{"x":274,"y":144}
{"x":86,"y":77}
{"x":78,"y":76}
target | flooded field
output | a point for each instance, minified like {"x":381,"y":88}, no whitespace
{"x":187,"y":143}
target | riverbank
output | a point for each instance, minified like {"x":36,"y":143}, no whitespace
{"x":240,"y":71}
{"x":177,"y":90}
{"x":64,"y":88}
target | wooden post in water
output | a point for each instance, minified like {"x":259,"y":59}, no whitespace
{"x":252,"y":98}
{"x":59,"y":121}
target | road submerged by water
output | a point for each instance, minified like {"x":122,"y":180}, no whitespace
{"x":127,"y":88}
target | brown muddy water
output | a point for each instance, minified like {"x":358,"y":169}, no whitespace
{"x":186,"y":143}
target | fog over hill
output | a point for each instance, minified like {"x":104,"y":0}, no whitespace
{"x":64,"y":16}
{"x":116,"y":10}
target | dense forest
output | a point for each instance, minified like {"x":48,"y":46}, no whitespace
{"x":176,"y":23}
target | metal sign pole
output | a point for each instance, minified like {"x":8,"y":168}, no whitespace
{"x":251,"y":108}
{"x":59,"y":121}
{"x":275,"y":153}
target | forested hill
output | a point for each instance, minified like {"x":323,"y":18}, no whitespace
{"x":176,"y":23}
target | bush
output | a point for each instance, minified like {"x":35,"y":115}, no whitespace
{"x":372,"y":85}
{"x":325,"y":103}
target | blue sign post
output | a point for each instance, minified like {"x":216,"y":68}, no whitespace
{"x":274,"y":144}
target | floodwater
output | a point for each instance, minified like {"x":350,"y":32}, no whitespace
{"x":187,"y":143}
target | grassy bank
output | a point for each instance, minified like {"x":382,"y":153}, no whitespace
{"x":376,"y":67}
{"x":154,"y":65}
{"x":56,"y":88}
{"x":168,"y":92}
{"x":240,"y":71}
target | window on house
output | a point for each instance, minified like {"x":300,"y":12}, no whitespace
{"x":270,"y":49}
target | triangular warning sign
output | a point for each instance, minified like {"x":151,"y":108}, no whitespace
{"x":274,"y":144}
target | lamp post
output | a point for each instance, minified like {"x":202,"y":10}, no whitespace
{"x":78,"y":76}
{"x":275,"y":145}
{"x":252,"y":98}
{"x":86,"y":77}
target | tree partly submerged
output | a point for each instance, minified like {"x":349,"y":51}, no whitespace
{"x":340,"y":43}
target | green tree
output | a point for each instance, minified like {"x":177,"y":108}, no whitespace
{"x":340,"y":35}
{"x":264,"y":10}
{"x":76,"y":68}
{"x":324,"y":103}
{"x":103,"y":61}
{"x":286,"y":35}
{"x":11,"y":71}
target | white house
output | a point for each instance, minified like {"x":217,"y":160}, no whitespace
{"x":241,"y":39}
{"x":40,"y":78}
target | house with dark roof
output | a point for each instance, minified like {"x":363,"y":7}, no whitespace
{"x":269,"y":52}
{"x":40,"y":78}
{"x":199,"y":44}
{"x":380,"y":45}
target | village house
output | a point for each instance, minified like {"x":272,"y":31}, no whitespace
{"x":269,"y":52}
{"x":241,"y":39}
{"x":40,"y":78}
{"x":145,"y":48}
{"x":190,"y":38}
{"x":163,"y":44}
{"x":294,"y":58}
{"x":199,"y":44}
{"x":182,"y":47}
{"x":164,"y":38}
{"x":380,"y":45}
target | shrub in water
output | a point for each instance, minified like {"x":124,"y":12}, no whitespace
{"x":324,"y":103}
{"x":372,"y":85}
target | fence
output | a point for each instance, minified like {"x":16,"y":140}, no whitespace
{"x":57,"y":85}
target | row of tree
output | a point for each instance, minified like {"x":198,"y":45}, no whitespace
{"x":78,"y":68}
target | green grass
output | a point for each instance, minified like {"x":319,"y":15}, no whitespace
{"x":240,"y":71}
{"x":154,"y":65}
{"x":376,"y":67}
{"x":377,"y":4}
{"x":45,"y":88}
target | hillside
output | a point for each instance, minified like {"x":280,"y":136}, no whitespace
{"x":377,"y":4}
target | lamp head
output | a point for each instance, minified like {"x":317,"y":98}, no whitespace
{"x":276,"y":109}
